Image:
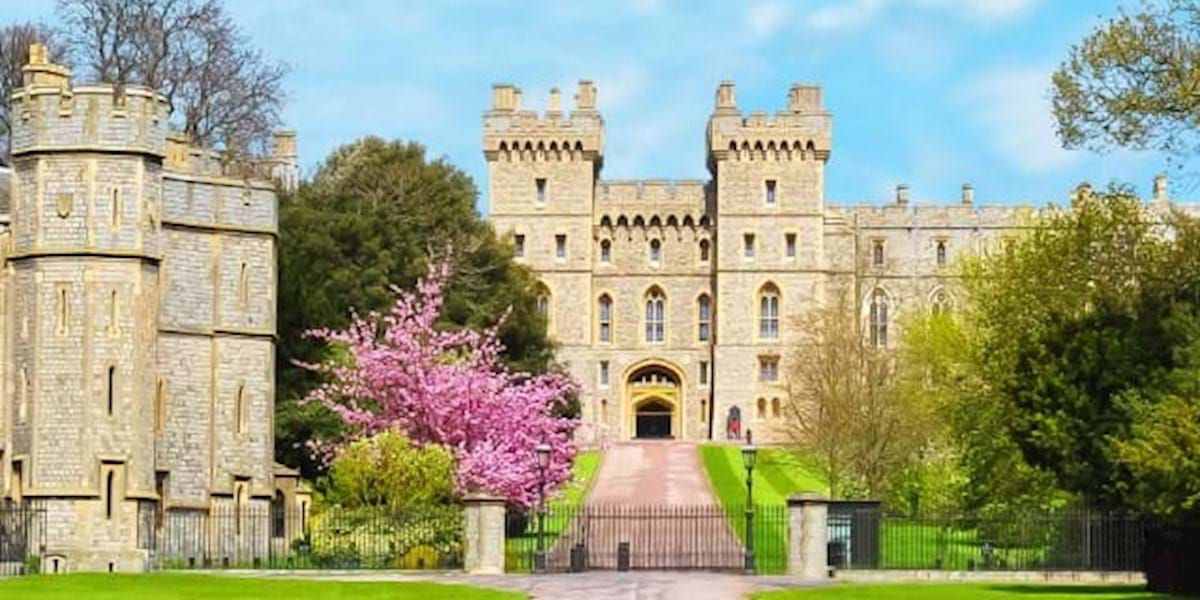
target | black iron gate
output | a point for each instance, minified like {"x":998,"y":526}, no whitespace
{"x":619,"y":537}
{"x":22,"y":537}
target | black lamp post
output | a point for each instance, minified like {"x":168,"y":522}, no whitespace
{"x":749,"y":456}
{"x":543,"y":459}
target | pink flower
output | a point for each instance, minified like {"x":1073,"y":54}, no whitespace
{"x":399,"y":372}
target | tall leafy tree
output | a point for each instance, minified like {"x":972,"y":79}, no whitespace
{"x":370,"y":218}
{"x":1134,"y":82}
{"x":1072,"y":324}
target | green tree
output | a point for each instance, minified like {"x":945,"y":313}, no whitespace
{"x":1134,"y":82}
{"x":370,"y":218}
{"x":1071,"y":322}
{"x":388,"y":471}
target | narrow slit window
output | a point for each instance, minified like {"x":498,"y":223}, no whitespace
{"x":560,"y":246}
{"x":240,"y":410}
{"x":64,"y":311}
{"x":110,"y":488}
{"x":704,"y":372}
{"x":518,"y":245}
{"x":941,"y":254}
{"x":540,"y":183}
{"x":603,"y":377}
{"x":160,"y":406}
{"x":771,"y":192}
{"x":111,"y":395}
{"x":114,"y":209}
{"x":704,"y":318}
{"x":748,"y":245}
{"x":605,"y":251}
{"x":704,"y":250}
{"x":113,"y":324}
{"x":655,"y":252}
{"x":790,"y":243}
{"x":244,"y":285}
{"x":877,"y":254}
{"x":605,"y":310}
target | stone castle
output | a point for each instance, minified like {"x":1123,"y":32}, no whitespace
{"x":138,"y":322}
{"x":675,"y":302}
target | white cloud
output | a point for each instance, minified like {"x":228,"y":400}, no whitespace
{"x":1011,"y":107}
{"x":766,"y":18}
{"x":843,"y":15}
{"x":985,"y":10}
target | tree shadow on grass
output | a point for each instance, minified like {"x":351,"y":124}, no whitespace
{"x":1110,"y":592}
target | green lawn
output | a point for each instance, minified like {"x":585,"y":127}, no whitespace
{"x":779,"y":473}
{"x":519,"y":550}
{"x":172,"y":586}
{"x":945,"y":591}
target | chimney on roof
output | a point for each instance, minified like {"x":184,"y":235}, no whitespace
{"x":902,"y":194}
{"x":1160,"y":188}
{"x":554,"y":108}
{"x":726,"y":99}
{"x":968,"y":194}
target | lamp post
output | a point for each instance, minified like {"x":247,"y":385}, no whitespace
{"x":543,"y":461}
{"x":749,"y":456}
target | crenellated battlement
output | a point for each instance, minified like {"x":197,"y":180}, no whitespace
{"x":511,"y":134}
{"x":652,"y":202}
{"x":50,"y":114}
{"x":804,"y":131}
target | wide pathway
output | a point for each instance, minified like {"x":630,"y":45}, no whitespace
{"x":656,"y":473}
{"x":592,"y":585}
{"x":655,"y":497}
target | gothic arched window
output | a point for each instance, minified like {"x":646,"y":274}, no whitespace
{"x":605,"y":319}
{"x":768,"y":312}
{"x":656,"y":310}
{"x":879,"y":319}
{"x":704,"y":318}
{"x":941,"y":304}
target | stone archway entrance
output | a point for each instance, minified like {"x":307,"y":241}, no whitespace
{"x":654,"y":395}
{"x":653,"y":420}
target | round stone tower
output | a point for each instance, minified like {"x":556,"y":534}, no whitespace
{"x":87,"y":166}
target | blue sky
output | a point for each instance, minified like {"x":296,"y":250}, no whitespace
{"x":932,"y":93}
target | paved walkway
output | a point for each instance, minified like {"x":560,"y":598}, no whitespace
{"x":593,"y":585}
{"x":655,"y":497}
{"x":656,"y":473}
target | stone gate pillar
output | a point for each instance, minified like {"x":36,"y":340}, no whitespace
{"x":807,"y":536}
{"x":483,"y":542}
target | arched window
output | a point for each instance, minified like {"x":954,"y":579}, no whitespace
{"x":941,"y":254}
{"x":941,"y":304}
{"x":879,"y":319}
{"x":656,"y":304}
{"x":605,"y":251}
{"x":278,"y":517}
{"x":112,"y":391}
{"x":775,"y":408}
{"x":655,"y":252}
{"x":109,"y":488}
{"x":542,"y":294}
{"x":704,"y":318}
{"x":704,"y":249}
{"x":241,"y":412}
{"x":605,"y":314}
{"x":877,"y":253}
{"x":768,"y":312}
{"x":762,"y":408}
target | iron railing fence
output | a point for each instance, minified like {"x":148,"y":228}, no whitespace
{"x":22,"y":537}
{"x":335,"y":538}
{"x":626,"y":537}
{"x":1066,"y":540}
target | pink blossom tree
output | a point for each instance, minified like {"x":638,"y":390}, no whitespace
{"x":401,"y":372}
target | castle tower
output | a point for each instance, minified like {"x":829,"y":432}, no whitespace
{"x":769,"y":177}
{"x":542,"y":172}
{"x":83,"y":291}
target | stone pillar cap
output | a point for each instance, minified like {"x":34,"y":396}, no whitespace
{"x":807,"y":498}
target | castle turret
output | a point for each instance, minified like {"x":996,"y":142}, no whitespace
{"x":769,"y":178}
{"x":87,"y":164}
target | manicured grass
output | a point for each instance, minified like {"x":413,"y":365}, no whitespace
{"x":935,"y":591}
{"x":519,"y":550}
{"x":779,"y":473}
{"x":171,"y":586}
